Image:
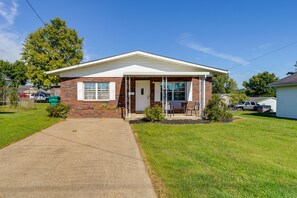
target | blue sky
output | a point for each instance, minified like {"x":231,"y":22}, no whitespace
{"x":218,"y":33}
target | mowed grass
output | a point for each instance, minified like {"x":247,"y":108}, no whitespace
{"x":18,"y":124}
{"x":252,"y":157}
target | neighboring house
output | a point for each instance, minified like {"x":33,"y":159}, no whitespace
{"x":226,"y":98}
{"x":133,"y":80}
{"x":271,"y":101}
{"x":286,"y":94}
{"x":7,"y":79}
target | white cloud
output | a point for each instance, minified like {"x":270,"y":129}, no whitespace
{"x":88,"y":56}
{"x":10,"y":46}
{"x":10,"y":41}
{"x":9,"y":12}
{"x":263,"y":46}
{"x":185,"y":40}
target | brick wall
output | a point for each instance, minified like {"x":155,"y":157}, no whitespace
{"x":208,"y":89}
{"x":92,"y":108}
{"x":68,"y":95}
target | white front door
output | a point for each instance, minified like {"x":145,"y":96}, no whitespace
{"x":142,"y":94}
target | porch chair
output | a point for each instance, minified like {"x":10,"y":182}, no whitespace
{"x":170,"y":109}
{"x":177,"y":105}
{"x":192,"y":108}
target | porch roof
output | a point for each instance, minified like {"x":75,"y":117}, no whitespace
{"x":164,"y":74}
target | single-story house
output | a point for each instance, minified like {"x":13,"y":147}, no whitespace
{"x":286,"y":94}
{"x":8,"y":81}
{"x":133,"y":81}
{"x":271,"y":101}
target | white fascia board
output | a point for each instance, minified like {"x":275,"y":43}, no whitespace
{"x":57,"y":71}
{"x":166,"y":74}
{"x":283,"y":85}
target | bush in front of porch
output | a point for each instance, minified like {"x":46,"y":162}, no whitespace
{"x":153,"y":114}
{"x":216,"y":110}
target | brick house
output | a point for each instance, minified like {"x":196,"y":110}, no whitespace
{"x":128,"y":83}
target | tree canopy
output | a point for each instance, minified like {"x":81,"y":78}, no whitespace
{"x":51,"y":47}
{"x":15,"y":71}
{"x":257,"y":85}
{"x":223,"y":84}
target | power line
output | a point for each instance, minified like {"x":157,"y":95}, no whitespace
{"x":36,"y":12}
{"x":266,"y":54}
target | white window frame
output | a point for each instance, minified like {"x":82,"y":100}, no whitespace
{"x":172,"y":91}
{"x":96,"y":92}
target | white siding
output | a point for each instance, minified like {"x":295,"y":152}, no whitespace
{"x":271,"y":102}
{"x":132,"y":64}
{"x":286,"y":102}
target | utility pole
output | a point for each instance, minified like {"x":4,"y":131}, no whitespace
{"x":296,"y":67}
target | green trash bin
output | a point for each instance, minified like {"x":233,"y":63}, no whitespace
{"x":53,"y":100}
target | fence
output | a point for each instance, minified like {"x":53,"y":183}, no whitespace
{"x":11,"y":96}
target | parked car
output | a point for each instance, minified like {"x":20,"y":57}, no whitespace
{"x":244,"y":106}
{"x":41,"y":97}
{"x":32,"y":96}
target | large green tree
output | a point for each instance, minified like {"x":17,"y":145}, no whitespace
{"x":223,"y":84}
{"x":258,"y":85}
{"x":51,"y":47}
{"x":15,"y":71}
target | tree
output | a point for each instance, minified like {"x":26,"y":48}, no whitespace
{"x":15,"y":71}
{"x":2,"y":81}
{"x":222,"y":84}
{"x":257,"y":85}
{"x":52,"y":47}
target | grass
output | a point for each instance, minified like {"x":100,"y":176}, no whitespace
{"x":18,"y":124}
{"x":252,"y":157}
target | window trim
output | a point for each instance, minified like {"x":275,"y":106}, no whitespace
{"x":96,"y":92}
{"x":172,"y":91}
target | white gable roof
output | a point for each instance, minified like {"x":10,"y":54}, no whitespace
{"x":136,"y":53}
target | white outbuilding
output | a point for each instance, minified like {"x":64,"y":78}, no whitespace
{"x":271,"y":101}
{"x":286,"y":94}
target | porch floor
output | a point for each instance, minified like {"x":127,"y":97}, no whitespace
{"x":177,"y":116}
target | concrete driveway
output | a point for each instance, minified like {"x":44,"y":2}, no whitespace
{"x":76,"y":158}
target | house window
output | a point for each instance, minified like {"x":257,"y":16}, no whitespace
{"x":176,"y":91}
{"x":96,"y":91}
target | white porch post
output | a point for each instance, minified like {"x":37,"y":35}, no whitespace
{"x":166,"y":96}
{"x":129,"y":96}
{"x":203,"y":92}
{"x":126,"y":105}
{"x":162,"y":93}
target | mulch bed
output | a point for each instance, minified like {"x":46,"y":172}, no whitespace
{"x":142,"y":121}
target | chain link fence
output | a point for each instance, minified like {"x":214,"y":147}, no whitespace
{"x":11,"y":96}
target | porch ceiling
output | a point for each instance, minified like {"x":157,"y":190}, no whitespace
{"x":164,"y":74}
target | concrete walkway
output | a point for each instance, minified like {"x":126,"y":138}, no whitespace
{"x":76,"y":158}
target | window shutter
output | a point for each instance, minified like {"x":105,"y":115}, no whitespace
{"x":189,"y":91}
{"x":80,"y":91}
{"x":112,"y":91}
{"x":157,"y":91}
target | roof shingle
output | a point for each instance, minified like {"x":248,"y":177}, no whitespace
{"x":289,"y":80}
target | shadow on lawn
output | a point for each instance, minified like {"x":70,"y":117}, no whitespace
{"x":268,"y":115}
{"x":6,"y":112}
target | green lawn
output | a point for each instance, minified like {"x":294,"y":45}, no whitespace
{"x":18,"y":124}
{"x":252,"y":157}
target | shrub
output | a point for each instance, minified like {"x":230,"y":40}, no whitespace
{"x":13,"y":98}
{"x":216,"y":110}
{"x":153,"y":114}
{"x":58,"y":111}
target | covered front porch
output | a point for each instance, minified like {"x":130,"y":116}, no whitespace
{"x":183,"y":90}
